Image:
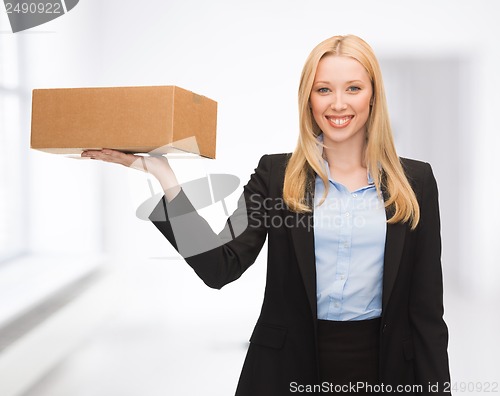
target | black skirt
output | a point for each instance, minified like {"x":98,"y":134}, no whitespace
{"x":349,"y":355}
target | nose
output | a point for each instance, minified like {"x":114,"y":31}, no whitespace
{"x":338,"y":103}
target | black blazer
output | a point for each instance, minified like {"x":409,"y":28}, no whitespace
{"x":283,"y":345}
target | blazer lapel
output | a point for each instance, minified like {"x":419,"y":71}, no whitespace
{"x":303,"y":242}
{"x":394,"y":242}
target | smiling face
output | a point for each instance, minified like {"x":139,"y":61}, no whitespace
{"x":340,"y":100}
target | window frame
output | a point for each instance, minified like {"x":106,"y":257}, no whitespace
{"x":14,"y":137}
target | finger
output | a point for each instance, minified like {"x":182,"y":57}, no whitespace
{"x":118,"y":157}
{"x":90,"y":153}
{"x":108,"y":155}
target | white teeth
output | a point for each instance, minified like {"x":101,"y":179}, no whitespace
{"x":340,"y":121}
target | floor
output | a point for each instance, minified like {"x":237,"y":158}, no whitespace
{"x":170,"y":335}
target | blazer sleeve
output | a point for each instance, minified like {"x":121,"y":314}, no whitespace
{"x":429,"y":331}
{"x":218,"y":258}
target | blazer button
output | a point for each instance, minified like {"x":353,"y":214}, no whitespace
{"x":386,"y":325}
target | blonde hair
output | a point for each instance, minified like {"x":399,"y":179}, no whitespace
{"x":381,"y":158}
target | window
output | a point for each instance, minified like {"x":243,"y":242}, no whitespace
{"x":12,"y":180}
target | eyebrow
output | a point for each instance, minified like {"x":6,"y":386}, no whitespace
{"x":347,"y":82}
{"x":355,"y":81}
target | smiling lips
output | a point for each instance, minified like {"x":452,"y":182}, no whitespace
{"x":339,"y":122}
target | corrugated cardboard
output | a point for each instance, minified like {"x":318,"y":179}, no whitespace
{"x":130,"y":119}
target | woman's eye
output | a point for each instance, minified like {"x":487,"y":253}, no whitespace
{"x":353,"y":89}
{"x":323,"y":90}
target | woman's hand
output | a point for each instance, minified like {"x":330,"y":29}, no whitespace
{"x":157,"y":166}
{"x":153,"y":165}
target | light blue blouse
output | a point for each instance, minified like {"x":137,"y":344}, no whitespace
{"x":349,"y":237}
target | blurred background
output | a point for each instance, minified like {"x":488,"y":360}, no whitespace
{"x":94,"y":302}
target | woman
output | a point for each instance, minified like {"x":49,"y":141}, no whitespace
{"x":354,"y":297}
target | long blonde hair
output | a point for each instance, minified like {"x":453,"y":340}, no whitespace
{"x":381,"y":158}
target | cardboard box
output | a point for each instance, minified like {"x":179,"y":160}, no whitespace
{"x":157,"y":119}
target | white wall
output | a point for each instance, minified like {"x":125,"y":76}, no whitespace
{"x":248,"y":56}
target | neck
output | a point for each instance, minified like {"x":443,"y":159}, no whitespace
{"x":345,"y":156}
